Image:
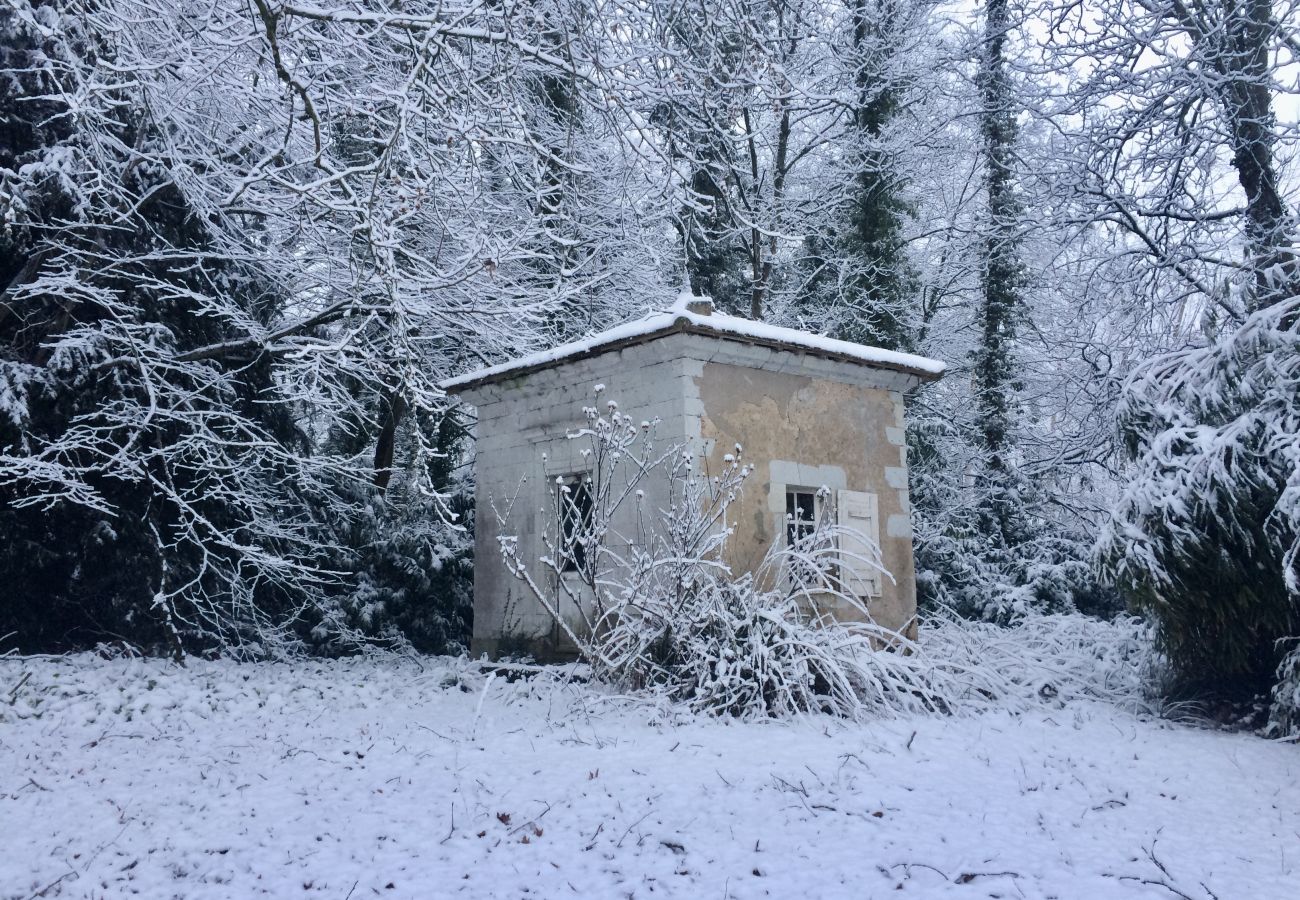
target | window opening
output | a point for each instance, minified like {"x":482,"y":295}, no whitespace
{"x":800,"y":515}
{"x":576,"y":513}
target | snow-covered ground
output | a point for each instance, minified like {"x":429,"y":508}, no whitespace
{"x":368,"y":778}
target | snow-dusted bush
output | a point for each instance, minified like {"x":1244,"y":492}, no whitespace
{"x":1284,"y":717}
{"x":1059,"y":657}
{"x":407,"y":551}
{"x":662,"y":611}
{"x":410,"y":577}
{"x":1206,"y":535}
{"x":757,"y":643}
{"x":991,"y":549}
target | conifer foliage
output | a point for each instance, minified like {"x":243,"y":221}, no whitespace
{"x":1206,"y":536}
{"x":144,"y":490}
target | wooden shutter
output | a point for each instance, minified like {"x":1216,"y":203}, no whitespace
{"x":858,"y":512}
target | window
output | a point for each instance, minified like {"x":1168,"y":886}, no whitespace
{"x":576,"y":508}
{"x":801,"y":508}
{"x":857,"y":539}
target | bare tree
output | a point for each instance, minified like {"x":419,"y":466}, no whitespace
{"x":1169,"y":108}
{"x":336,"y":206}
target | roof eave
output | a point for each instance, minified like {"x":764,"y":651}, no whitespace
{"x":683,"y":325}
{"x":821,"y":353}
{"x":675,"y":326}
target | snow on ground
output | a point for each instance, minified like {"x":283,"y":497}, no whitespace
{"x":366,"y":778}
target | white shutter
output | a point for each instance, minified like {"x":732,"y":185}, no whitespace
{"x":857,"y":511}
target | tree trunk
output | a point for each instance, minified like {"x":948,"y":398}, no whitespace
{"x":391,"y":410}
{"x":1239,"y":51}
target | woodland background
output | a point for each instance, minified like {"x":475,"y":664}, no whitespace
{"x":241,"y":242}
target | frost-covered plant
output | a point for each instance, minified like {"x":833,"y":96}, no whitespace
{"x":1206,"y":535}
{"x":1056,"y":657}
{"x":410,"y":578}
{"x":679,"y":621}
{"x":991,"y":567}
{"x":1284,"y":717}
{"x":407,"y":552}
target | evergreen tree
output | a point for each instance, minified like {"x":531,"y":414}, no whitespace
{"x":697,"y":116}
{"x":1205,"y":534}
{"x":1002,"y":304}
{"x":881,"y":286}
{"x":112,"y":498}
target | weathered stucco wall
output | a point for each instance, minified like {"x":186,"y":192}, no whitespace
{"x":803,"y":431}
{"x":521,"y":448}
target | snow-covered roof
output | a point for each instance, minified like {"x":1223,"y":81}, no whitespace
{"x":681,"y":320}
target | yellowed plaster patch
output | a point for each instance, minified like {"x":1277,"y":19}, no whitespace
{"x":812,"y":424}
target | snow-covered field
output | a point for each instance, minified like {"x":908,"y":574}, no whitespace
{"x":366,"y":778}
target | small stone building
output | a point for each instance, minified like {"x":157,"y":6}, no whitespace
{"x":810,"y":412}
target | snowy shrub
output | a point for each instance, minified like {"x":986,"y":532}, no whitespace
{"x":405,"y":553}
{"x":1058,"y":657}
{"x":1284,"y":717}
{"x":754,"y":644}
{"x":409,"y":581}
{"x":1024,"y":563}
{"x":1206,"y":535}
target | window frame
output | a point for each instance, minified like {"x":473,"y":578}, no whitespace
{"x":797,"y":529}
